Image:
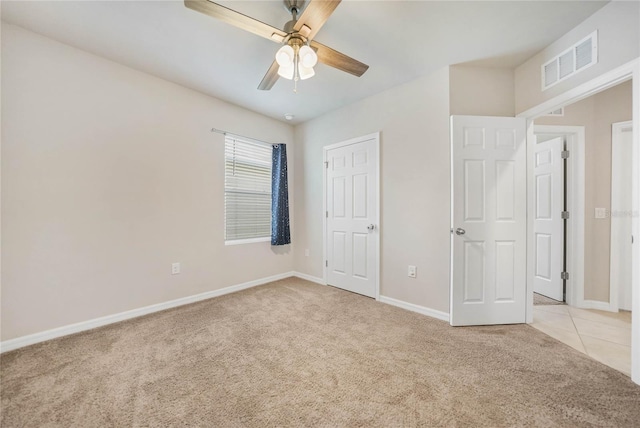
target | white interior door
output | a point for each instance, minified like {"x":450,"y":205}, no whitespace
{"x":548,"y":224}
{"x":352,"y":215}
{"x":621,"y":212}
{"x":488,"y":228}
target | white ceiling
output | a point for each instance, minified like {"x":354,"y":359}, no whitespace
{"x":400,"y":40}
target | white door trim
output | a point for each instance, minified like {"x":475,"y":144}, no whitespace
{"x":376,"y":137}
{"x":575,"y":205}
{"x":614,"y":290}
{"x":630,"y":70}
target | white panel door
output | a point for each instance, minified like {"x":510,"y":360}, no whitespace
{"x":488,"y":220}
{"x":352,"y":216}
{"x":548,"y":224}
{"x":621,"y":212}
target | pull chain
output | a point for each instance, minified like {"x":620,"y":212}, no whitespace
{"x":296,"y":76}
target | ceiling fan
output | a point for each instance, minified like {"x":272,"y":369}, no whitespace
{"x":300,"y":52}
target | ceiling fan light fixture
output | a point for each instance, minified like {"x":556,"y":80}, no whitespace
{"x":285,"y":56}
{"x":286,"y":72}
{"x":308,"y":58}
{"x":305,"y":72}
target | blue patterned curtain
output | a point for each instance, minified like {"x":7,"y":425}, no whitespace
{"x":280,"y":234}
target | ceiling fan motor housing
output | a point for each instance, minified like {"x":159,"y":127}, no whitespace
{"x":288,"y":27}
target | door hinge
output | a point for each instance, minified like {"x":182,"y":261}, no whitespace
{"x":565,"y":215}
{"x":326,"y":164}
{"x":564,"y":275}
{"x":326,"y":263}
{"x":326,"y":214}
{"x":564,"y":154}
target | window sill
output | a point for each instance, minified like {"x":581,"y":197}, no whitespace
{"x":248,"y":241}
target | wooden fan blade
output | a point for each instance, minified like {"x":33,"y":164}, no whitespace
{"x":237,"y":19}
{"x":270,"y":78}
{"x":338,"y":60}
{"x":314,"y":16}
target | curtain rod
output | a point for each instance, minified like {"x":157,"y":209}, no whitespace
{"x":231,"y":134}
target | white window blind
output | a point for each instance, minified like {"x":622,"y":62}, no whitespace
{"x":247,"y":189}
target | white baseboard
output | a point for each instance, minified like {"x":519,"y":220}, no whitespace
{"x":19,"y":342}
{"x":596,"y":304}
{"x":415,"y":308}
{"x":309,"y":278}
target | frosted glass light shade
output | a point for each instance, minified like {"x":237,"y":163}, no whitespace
{"x":305,"y":72}
{"x":285,"y":56}
{"x":286,"y":72}
{"x":308,"y":57}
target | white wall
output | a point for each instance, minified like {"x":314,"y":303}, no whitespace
{"x":618,"y":25}
{"x":481,"y":91}
{"x":108,"y":176}
{"x":413,"y":121}
{"x":596,"y":114}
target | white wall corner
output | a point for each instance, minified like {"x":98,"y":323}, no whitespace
{"x":443,"y":316}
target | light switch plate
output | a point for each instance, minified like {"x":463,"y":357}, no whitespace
{"x":601,"y":213}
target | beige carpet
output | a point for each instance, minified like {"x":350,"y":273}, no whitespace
{"x":294,"y":353}
{"x":539,"y":299}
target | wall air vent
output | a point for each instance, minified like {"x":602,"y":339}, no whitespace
{"x":578,"y":57}
{"x":556,"y":112}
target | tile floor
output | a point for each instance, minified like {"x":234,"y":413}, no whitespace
{"x":604,"y":336}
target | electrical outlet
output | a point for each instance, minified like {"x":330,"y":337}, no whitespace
{"x":175,"y":268}
{"x":601,"y":213}
{"x":306,"y":252}
{"x":413,"y":271}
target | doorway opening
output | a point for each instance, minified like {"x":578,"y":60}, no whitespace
{"x":557,"y":264}
{"x":582,"y":225}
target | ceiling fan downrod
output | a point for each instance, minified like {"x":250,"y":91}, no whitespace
{"x":294,"y":7}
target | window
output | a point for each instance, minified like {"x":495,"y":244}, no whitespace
{"x":247,"y":190}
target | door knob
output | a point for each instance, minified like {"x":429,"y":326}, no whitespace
{"x":460,"y":231}
{"x":371,"y":227}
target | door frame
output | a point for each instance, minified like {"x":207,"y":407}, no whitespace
{"x":575,"y":205}
{"x":614,"y":290}
{"x":630,"y":70}
{"x":325,"y":150}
